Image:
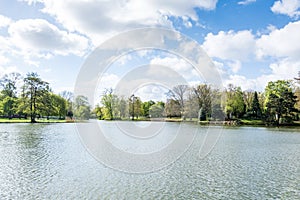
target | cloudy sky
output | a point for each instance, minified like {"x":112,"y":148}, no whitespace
{"x":251,"y":42}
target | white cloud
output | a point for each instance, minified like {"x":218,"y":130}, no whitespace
{"x":281,"y":42}
{"x":287,"y":7}
{"x":246,"y":2}
{"x":38,"y":35}
{"x":179,"y":65}
{"x":4,"y":21}
{"x":101,"y":19}
{"x":230,"y":45}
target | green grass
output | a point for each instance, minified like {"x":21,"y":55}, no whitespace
{"x":3,"y":120}
{"x":252,"y":122}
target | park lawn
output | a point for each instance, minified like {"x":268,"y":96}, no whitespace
{"x":252,"y":122}
{"x":3,"y":120}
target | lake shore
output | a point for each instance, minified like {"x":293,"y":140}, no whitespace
{"x":242,"y":122}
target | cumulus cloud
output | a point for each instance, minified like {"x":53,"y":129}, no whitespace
{"x":4,"y":21}
{"x":179,"y":65}
{"x":230,"y":45}
{"x":101,"y":19}
{"x":281,"y":42}
{"x":39,"y":35}
{"x":287,"y":7}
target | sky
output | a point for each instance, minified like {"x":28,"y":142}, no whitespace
{"x":251,"y":42}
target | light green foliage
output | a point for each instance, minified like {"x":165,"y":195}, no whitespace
{"x":235,"y":105}
{"x":280,"y":101}
{"x":157,"y":110}
{"x":81,"y":107}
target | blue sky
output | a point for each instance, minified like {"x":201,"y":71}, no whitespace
{"x":250,"y":41}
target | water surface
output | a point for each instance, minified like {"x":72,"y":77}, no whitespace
{"x":48,"y":161}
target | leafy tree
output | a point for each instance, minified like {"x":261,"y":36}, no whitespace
{"x":172,"y":108}
{"x":235,"y":105}
{"x":69,"y":98}
{"x":157,"y":110}
{"x":99,"y":112}
{"x":123,"y":107}
{"x":134,"y":106}
{"x":204,"y":96}
{"x":82,"y":107}
{"x":145,"y":107}
{"x":280,"y":101}
{"x":34,"y":89}
{"x":8,"y":95}
{"x":109,"y":101}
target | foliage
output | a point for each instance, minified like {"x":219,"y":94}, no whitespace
{"x":280,"y":101}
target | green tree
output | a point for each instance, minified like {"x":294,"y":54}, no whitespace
{"x":135,"y":105}
{"x":8,"y":95}
{"x":204,"y":95}
{"x":256,"y":106}
{"x":235,"y":105}
{"x":280,"y":101}
{"x":145,"y":107}
{"x":34,"y":89}
{"x":81,"y":107}
{"x":109,"y":101}
{"x":157,"y":110}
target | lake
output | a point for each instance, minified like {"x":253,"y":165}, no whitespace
{"x":49,"y":161}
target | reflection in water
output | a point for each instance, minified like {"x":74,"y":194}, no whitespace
{"x":48,"y":162}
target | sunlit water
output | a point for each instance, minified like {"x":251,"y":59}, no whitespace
{"x":48,"y":161}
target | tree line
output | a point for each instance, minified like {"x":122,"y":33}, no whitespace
{"x":31,"y":97}
{"x":279,"y":103}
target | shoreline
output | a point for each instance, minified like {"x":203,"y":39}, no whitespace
{"x":232,"y":123}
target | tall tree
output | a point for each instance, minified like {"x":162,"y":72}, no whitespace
{"x":178,"y":94}
{"x":82,"y":109}
{"x":8,"y":95}
{"x":235,"y":105}
{"x":256,"y":106}
{"x":145,"y":107}
{"x":135,"y":104}
{"x":109,"y":101}
{"x":34,"y":89}
{"x":204,"y":96}
{"x":172,"y":108}
{"x":280,"y":100}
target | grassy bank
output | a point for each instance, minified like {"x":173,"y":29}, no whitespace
{"x":28,"y":121}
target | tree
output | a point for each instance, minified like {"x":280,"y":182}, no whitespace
{"x":203,"y":94}
{"x":172,"y":108}
{"x":98,"y":111}
{"x":256,"y":106}
{"x":109,"y":101}
{"x":178,"y":94}
{"x":8,"y":95}
{"x":82,"y":107}
{"x":134,"y":106}
{"x":123,"y":108}
{"x":34,"y":89}
{"x":280,"y":101}
{"x":157,"y":110}
{"x":145,"y":107}
{"x":69,"y":98}
{"x":235,"y":105}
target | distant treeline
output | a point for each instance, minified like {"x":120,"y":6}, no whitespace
{"x":278,"y":104}
{"x":31,"y":97}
